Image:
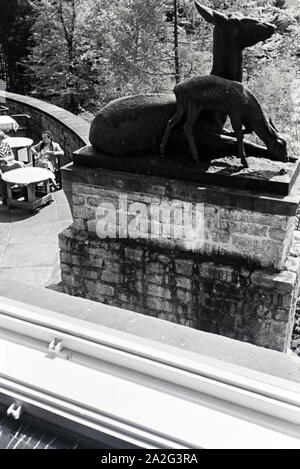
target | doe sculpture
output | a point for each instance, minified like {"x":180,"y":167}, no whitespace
{"x":234,"y":100}
{"x":136,"y":123}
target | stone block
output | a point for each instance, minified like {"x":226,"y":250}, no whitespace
{"x":96,"y":261}
{"x":104,"y":253}
{"x":65,"y":257}
{"x":206,"y":270}
{"x":159,"y":304}
{"x":82,"y":211}
{"x":244,"y":272}
{"x":184,"y":296}
{"x":249,"y":216}
{"x":79,"y":224}
{"x":281,"y":315}
{"x":123,"y":298}
{"x":65,"y":268}
{"x":163,"y":259}
{"x":263,"y":312}
{"x":134,"y":253}
{"x":161,"y":292}
{"x":183,"y":282}
{"x":225,"y":273}
{"x":171,"y":316}
{"x":284,"y":281}
{"x":78,"y":199}
{"x":184,"y":267}
{"x":94,"y":201}
{"x":154,"y":278}
{"x":76,"y":270}
{"x":92,"y":226}
{"x":292,"y":264}
{"x":111,"y":266}
{"x":153,"y":267}
{"x":94,"y":274}
{"x":220,"y":237}
{"x":277,"y":234}
{"x":251,"y":229}
{"x":110,"y":277}
{"x":105,"y":290}
{"x":266,"y":252}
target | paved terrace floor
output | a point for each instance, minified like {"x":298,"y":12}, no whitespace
{"x":29,"y":243}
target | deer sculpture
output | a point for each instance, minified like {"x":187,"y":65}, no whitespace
{"x":137,"y":123}
{"x":231,"y":98}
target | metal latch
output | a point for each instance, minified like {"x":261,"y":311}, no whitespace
{"x":55,"y":347}
{"x":15,"y":410}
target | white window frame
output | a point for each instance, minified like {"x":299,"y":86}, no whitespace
{"x":126,"y":391}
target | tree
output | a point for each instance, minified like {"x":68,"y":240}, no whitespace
{"x":59,"y":61}
{"x":133,"y":41}
{"x":89,"y":52}
{"x":16,"y":19}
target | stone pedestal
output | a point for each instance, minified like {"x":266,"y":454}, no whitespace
{"x":234,"y":271}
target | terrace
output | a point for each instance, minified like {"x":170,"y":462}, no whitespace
{"x":29,"y":242}
{"x":158,"y":356}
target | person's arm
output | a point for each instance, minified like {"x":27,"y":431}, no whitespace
{"x":35,"y":150}
{"x":5,"y":152}
{"x":57,"y":150}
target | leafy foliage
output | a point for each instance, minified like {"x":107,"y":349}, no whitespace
{"x":59,"y":60}
{"x":84,"y":53}
{"x":16,"y":19}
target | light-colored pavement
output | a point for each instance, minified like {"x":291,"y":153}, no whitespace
{"x":29,"y":243}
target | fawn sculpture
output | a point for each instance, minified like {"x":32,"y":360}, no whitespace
{"x":137,"y":123}
{"x":231,"y":98}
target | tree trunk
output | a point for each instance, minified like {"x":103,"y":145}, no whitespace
{"x":176,"y":55}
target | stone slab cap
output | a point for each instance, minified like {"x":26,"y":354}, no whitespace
{"x":262,"y":175}
{"x":262,"y":202}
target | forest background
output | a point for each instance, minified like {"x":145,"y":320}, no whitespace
{"x":81,"y":54}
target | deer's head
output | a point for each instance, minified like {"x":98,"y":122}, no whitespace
{"x":277,"y":145}
{"x":243,"y":31}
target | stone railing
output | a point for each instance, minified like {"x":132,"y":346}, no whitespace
{"x":69,"y":130}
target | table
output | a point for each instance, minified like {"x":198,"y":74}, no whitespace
{"x":8,"y":123}
{"x":29,"y":178}
{"x":20,"y":143}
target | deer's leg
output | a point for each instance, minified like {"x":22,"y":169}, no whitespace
{"x":238,"y":130}
{"x":171,"y":124}
{"x":191,"y":119}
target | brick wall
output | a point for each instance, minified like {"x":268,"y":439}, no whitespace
{"x":246,"y":304}
{"x":261,"y":238}
{"x":242,"y":283}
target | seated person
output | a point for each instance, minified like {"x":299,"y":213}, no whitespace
{"x":7,"y":162}
{"x":7,"y":159}
{"x":46,"y":151}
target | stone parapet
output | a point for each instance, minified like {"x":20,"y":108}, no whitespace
{"x":242,"y":282}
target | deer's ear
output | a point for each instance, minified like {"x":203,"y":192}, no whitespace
{"x":205,"y":12}
{"x":219,"y":18}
